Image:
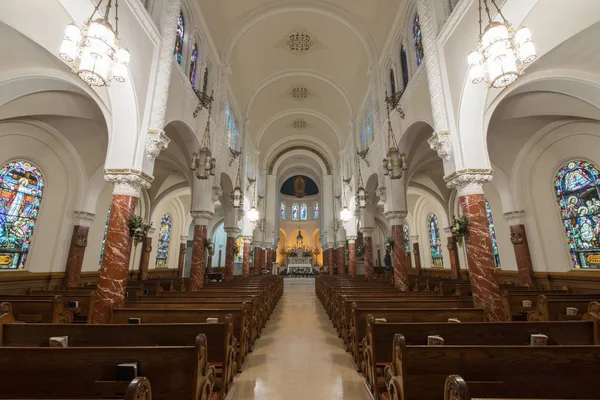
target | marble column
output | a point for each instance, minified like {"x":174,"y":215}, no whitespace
{"x":341,"y":258}
{"x":518,"y":237}
{"x":199,"y":254}
{"x":257,"y":251}
{"x":182,"y":253}
{"x":246,"y":256}
{"x":145,"y":257}
{"x":368,"y":245}
{"x":417,"y":254}
{"x":352,"y":256}
{"x":478,"y":242}
{"x":396,"y":220}
{"x":79,"y":240}
{"x":269,"y":258}
{"x":112,"y":282}
{"x":453,"y":254}
{"x":230,"y":253}
{"x":331,"y":257}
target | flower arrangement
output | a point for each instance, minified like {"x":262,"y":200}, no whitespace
{"x":389,"y":244}
{"x":236,"y":251}
{"x":138,"y":229}
{"x":459,"y":228}
{"x":360,"y":250}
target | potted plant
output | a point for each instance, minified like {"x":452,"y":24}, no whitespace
{"x":138,"y":229}
{"x":459,"y":228}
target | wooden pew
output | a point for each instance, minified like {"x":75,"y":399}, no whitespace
{"x":513,"y":300}
{"x":378,"y":341}
{"x":525,"y":372}
{"x":555,"y":309}
{"x":176,"y":372}
{"x":80,"y":313}
{"x":221,"y":350}
{"x":130,"y":293}
{"x":190,"y":315}
{"x":47,"y":309}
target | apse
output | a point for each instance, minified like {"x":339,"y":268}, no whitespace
{"x":299,"y":186}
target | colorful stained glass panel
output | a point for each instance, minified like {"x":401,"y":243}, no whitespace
{"x":407,"y":247}
{"x":282,"y":210}
{"x":295,"y":212}
{"x":418,"y":40}
{"x":164,"y":238}
{"x":194,"y":64}
{"x":435,"y":242}
{"x":303,"y":212}
{"x":179,"y":39}
{"x":488,"y":211}
{"x":316,"y":211}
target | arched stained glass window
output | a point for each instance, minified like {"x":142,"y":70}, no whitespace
{"x":577,"y":187}
{"x":232,"y":127}
{"x":179,"y":38}
{"x":392,"y":81}
{"x":407,"y":248}
{"x":104,"y":236}
{"x":164,"y":238}
{"x":205,"y":81}
{"x":282,"y":210}
{"x":435,"y":242}
{"x":295,"y":212}
{"x":316,"y":211}
{"x":366,"y":131}
{"x":488,"y":211}
{"x":194,"y":64}
{"x":21,"y":190}
{"x":404,"y":64}
{"x":303,"y":212}
{"x":418,"y":40}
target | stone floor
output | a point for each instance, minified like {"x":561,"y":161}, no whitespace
{"x":299,"y":356}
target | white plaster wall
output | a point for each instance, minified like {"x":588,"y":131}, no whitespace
{"x":91,"y":260}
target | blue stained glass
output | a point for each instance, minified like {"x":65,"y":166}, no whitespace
{"x":282,"y":210}
{"x":577,"y":187}
{"x":404,"y":64}
{"x":164,"y":238}
{"x":104,"y":236}
{"x":366,"y":131}
{"x":407,"y":248}
{"x":488,"y":211}
{"x":418,"y":40}
{"x":179,"y":38}
{"x":295,"y":212}
{"x":316,"y":211}
{"x":194,"y":64}
{"x":21,"y":190}
{"x":435,"y":242}
{"x":303,"y":212}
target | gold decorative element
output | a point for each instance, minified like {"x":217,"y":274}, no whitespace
{"x":299,"y":186}
{"x":299,"y":41}
{"x":299,"y":92}
{"x":299,"y":123}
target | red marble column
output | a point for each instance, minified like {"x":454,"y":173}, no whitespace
{"x":341,"y":259}
{"x":484,"y":283}
{"x":182,"y":253}
{"x":417,"y":254}
{"x":352,"y":256}
{"x":257,"y":251}
{"x":229,"y":259}
{"x":77,"y":248}
{"x":198,"y":267}
{"x":518,"y":237}
{"x":399,"y":259}
{"x":368,"y":245}
{"x":269,"y":258}
{"x":246,"y":256}
{"x":331,"y":258}
{"x":145,"y":258}
{"x":112,"y":281}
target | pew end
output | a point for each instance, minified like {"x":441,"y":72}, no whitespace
{"x":139,"y":389}
{"x":456,"y":388}
{"x":592,"y":314}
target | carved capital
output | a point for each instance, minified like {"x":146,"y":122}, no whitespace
{"x":331,"y":245}
{"x":441,"y":143}
{"x":184,"y":239}
{"x":340,"y":244}
{"x":128,"y":182}
{"x":156,"y":141}
{"x":351,"y":239}
{"x":515,"y":217}
{"x":247,"y":239}
{"x":468,"y":181}
{"x":83,"y":218}
{"x":231,"y":231}
{"x":448,"y":231}
{"x":367,"y":231}
{"x":151,"y":231}
{"x":414,"y":238}
{"x":395,"y":217}
{"x":202,"y":217}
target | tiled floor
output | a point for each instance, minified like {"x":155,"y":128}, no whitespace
{"x":299,"y":356}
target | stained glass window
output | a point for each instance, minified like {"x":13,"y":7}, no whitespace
{"x":404,"y":64}
{"x":303,"y":212}
{"x":316,"y":211}
{"x":295,"y":212}
{"x":179,"y":38}
{"x":392,"y":81}
{"x":193,"y":64}
{"x":577,"y":187}
{"x":488,"y":211}
{"x":282,"y":210}
{"x":407,"y":248}
{"x":232,"y":127}
{"x":418,"y":40}
{"x":21,"y":190}
{"x":104,"y":236}
{"x":164,"y":238}
{"x":205,"y":81}
{"x":435,"y":242}
{"x":366,"y":131}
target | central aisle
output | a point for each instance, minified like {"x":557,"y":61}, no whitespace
{"x":299,"y":356}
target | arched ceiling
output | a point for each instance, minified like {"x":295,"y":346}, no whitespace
{"x":313,"y":94}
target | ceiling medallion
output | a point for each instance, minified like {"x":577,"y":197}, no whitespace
{"x":299,"y":92}
{"x":299,"y":123}
{"x":300,"y":42}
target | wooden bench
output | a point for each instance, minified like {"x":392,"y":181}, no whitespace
{"x":513,"y":300}
{"x":378,"y":341}
{"x":176,"y":372}
{"x":81,"y":312}
{"x":555,"y":309}
{"x":47,"y":309}
{"x":525,"y":372}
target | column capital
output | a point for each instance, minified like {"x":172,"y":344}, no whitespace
{"x":441,"y":143}
{"x":247,"y":239}
{"x":156,"y":141}
{"x":231,"y":231}
{"x":351,"y":239}
{"x":151,"y":231}
{"x":202,"y":217}
{"x":128,"y":182}
{"x":183,"y":238}
{"x":340,"y":244}
{"x":414,"y":238}
{"x":448,"y":230}
{"x":468,"y":181}
{"x":331,"y":245}
{"x":367,"y":231}
{"x":395,"y":217}
{"x":515,"y":217}
{"x":83,"y":218}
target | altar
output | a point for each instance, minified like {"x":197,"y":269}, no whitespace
{"x":299,"y":265}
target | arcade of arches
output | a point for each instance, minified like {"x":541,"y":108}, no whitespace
{"x":298,"y":123}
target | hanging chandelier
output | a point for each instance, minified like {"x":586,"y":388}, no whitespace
{"x":203,"y":162}
{"x":253,"y":214}
{"x":395,"y":163}
{"x":345,"y":214}
{"x":361,"y":193}
{"x":237,"y":196}
{"x":502,"y":54}
{"x":94,"y":49}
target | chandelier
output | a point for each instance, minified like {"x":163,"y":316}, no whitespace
{"x":361,"y":193}
{"x":237,"y":196}
{"x":502,"y":54}
{"x":395,"y":163}
{"x":94,"y":49}
{"x":203,"y":162}
{"x":253,"y":213}
{"x":345,"y":214}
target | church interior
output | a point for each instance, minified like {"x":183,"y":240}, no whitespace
{"x":299,"y":199}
